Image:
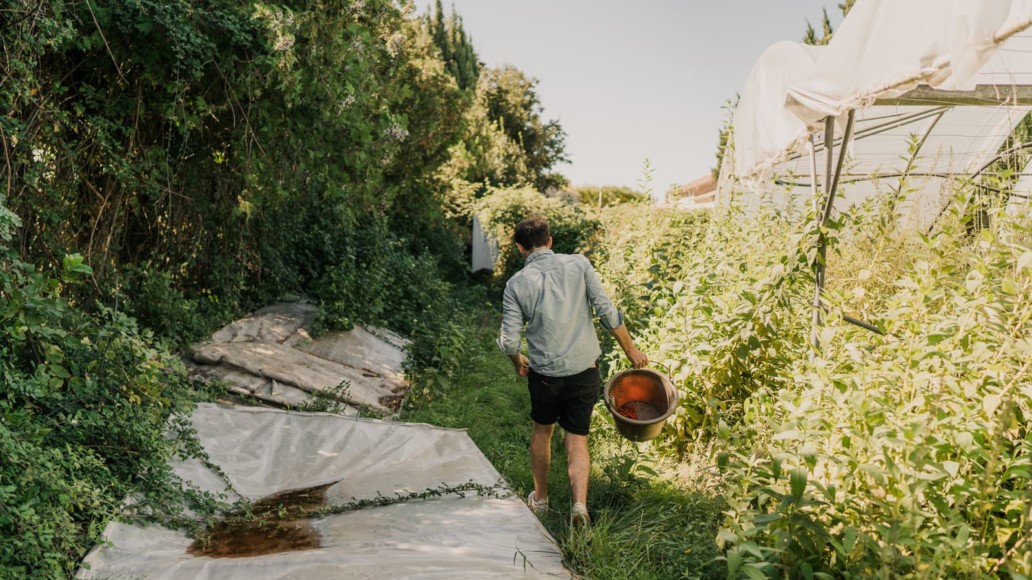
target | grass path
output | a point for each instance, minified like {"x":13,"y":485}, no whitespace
{"x":644,"y":526}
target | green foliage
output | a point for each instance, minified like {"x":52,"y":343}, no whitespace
{"x":512,"y":103}
{"x":378,"y":281}
{"x":84,"y":404}
{"x":505,"y":145}
{"x":457,"y":52}
{"x":204,"y":158}
{"x":904,"y":455}
{"x":610,"y":195}
{"x":811,"y":36}
{"x":330,"y":401}
{"x":724,"y":134}
{"x":9,"y":222}
{"x":499,"y":212}
{"x":217,"y":149}
{"x":438,"y":357}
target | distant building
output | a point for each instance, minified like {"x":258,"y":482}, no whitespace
{"x":699,"y":193}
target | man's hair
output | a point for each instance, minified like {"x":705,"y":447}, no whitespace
{"x":532,"y":233}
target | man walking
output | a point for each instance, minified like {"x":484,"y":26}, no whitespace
{"x":553,"y":295}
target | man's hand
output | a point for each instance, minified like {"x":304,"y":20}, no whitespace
{"x":520,"y":364}
{"x":638,"y":359}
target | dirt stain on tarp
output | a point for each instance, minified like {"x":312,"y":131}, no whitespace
{"x":281,"y":522}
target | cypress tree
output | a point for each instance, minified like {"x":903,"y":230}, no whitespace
{"x":457,"y":52}
{"x":439,"y":32}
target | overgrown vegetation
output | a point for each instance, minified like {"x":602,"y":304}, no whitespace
{"x":165,"y":167}
{"x":898,"y":455}
{"x":84,"y":412}
{"x":904,"y":455}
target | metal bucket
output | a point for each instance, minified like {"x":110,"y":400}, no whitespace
{"x":647,"y":396}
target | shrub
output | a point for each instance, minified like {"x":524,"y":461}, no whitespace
{"x":903,"y":455}
{"x":84,"y":404}
{"x":502,"y":209}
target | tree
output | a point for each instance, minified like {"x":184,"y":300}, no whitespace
{"x":457,"y":52}
{"x":810,"y":36}
{"x":511,"y":102}
{"x":610,"y":195}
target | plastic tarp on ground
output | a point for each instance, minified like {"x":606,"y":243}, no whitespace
{"x":270,"y":355}
{"x":881,"y":51}
{"x":266,"y":451}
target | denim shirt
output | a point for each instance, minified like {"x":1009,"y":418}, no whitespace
{"x":553,"y":295}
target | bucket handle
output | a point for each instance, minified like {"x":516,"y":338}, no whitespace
{"x":665,"y":366}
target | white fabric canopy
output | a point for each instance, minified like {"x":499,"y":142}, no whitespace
{"x":764,"y":130}
{"x":882,"y":50}
{"x":887,"y":47}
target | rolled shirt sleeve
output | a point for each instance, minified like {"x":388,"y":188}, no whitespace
{"x":512,"y":323}
{"x":605,"y":310}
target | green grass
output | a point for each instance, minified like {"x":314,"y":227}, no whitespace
{"x":644,"y":525}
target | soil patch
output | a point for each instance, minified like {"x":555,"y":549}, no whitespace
{"x":639,"y":411}
{"x":281,"y":522}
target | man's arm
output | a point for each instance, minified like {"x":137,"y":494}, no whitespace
{"x":520,"y":364}
{"x":604,"y":308}
{"x":623,"y":338}
{"x":611,"y":318}
{"x":512,"y":330}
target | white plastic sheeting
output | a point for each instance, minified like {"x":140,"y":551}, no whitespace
{"x":887,"y":47}
{"x":270,"y":355}
{"x":929,"y":145}
{"x":882,"y":50}
{"x":485,"y":248}
{"x":1021,"y":200}
{"x":267,"y":451}
{"x":765,"y":132}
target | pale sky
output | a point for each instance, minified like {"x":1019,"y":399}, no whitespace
{"x":630,"y":81}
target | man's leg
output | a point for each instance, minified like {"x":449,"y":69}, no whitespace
{"x":579,"y":463}
{"x":541,"y":458}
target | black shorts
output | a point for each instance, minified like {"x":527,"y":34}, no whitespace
{"x":569,"y":400}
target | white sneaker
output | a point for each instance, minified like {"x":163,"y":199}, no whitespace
{"x":539,"y":507}
{"x":579,"y":517}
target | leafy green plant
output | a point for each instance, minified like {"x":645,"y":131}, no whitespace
{"x":896,"y":455}
{"x":499,"y":212}
{"x":85,"y":404}
{"x":331,"y":401}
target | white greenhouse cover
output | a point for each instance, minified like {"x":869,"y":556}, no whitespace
{"x":882,"y":50}
{"x":1021,"y":199}
{"x":265,"y":451}
{"x":887,"y":47}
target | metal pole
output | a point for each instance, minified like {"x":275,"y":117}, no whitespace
{"x":831,"y":181}
{"x":814,"y":192}
{"x":829,"y":142}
